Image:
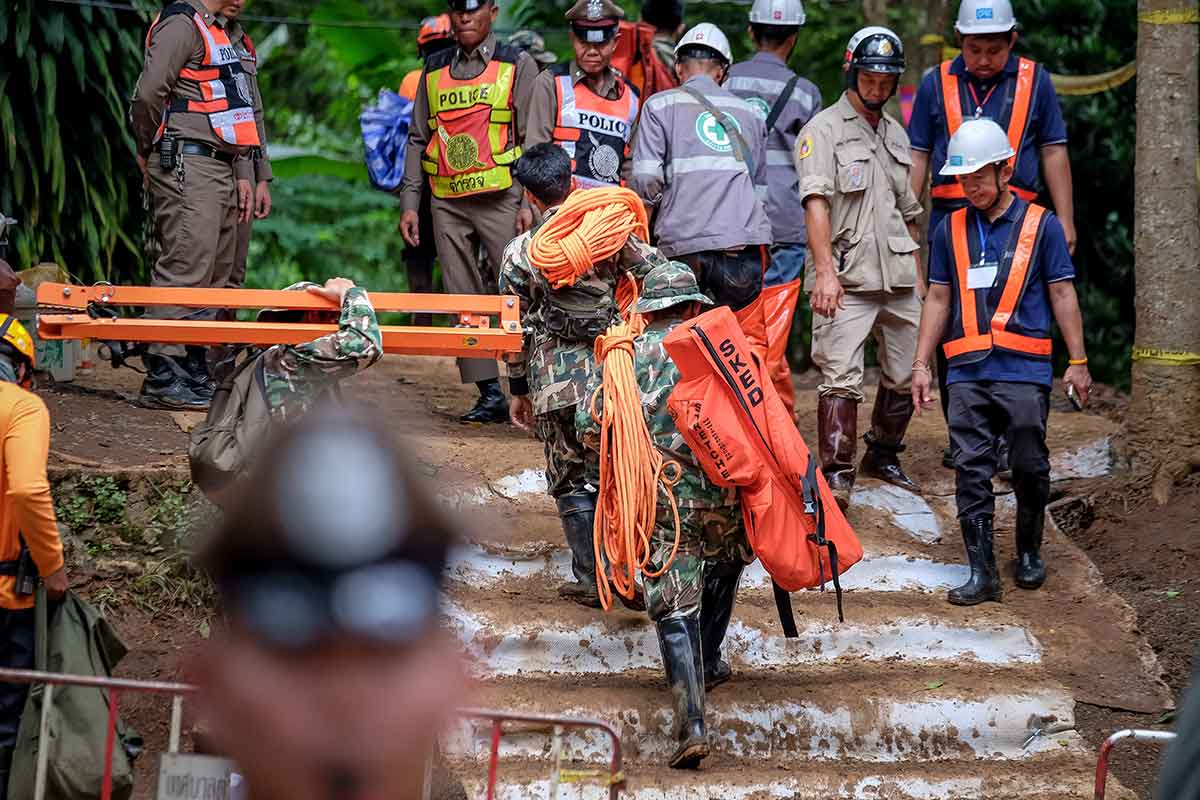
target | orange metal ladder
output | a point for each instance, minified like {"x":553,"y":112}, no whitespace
{"x":474,"y":337}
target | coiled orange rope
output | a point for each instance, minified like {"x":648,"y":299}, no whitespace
{"x":631,"y":471}
{"x":590,"y":226}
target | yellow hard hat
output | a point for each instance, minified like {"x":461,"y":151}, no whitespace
{"x":14,"y":333}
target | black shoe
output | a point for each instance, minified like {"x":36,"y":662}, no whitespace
{"x":577,"y":512}
{"x":683,"y":660}
{"x":492,"y":405}
{"x":716,"y":609}
{"x":948,"y":458}
{"x":199,"y":378}
{"x":1031,"y":569}
{"x":984,"y":583}
{"x":882,"y":463}
{"x":167,"y":386}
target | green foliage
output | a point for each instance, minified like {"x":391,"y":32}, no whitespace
{"x":92,"y":503}
{"x":66,"y":154}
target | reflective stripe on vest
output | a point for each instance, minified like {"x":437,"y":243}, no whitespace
{"x":969,"y":341}
{"x":469,"y":128}
{"x":595,"y":131}
{"x":953,"y":103}
{"x":221,"y":82}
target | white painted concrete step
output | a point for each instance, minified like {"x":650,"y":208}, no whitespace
{"x":1061,"y":778}
{"x":524,"y":635}
{"x":880,"y":718}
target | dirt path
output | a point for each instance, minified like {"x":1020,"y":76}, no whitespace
{"x":995,"y":668}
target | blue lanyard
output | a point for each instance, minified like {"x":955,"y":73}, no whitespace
{"x":982,"y":239}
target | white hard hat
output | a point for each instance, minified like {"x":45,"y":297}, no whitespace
{"x":707,"y":35}
{"x":985,"y":16}
{"x":777,"y":12}
{"x":978,"y":143}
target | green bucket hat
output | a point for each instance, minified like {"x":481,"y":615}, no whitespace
{"x":670,"y":284}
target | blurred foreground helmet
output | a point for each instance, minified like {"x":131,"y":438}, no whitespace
{"x":333,"y":536}
{"x":977,"y":143}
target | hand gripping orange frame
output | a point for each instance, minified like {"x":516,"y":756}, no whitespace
{"x":474,"y":337}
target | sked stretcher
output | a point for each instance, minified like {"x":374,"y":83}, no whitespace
{"x":89,"y":308}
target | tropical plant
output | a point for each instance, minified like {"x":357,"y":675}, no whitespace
{"x":69,"y":176}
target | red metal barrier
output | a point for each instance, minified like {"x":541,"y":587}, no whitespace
{"x":116,"y":686}
{"x":1160,"y":737}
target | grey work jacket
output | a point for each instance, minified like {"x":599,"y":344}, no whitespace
{"x":685,"y":170}
{"x":760,"y":81}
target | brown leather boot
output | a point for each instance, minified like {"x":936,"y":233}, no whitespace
{"x":837,"y":441}
{"x":889,"y":421}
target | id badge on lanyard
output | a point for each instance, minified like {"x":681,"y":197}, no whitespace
{"x":983,"y":274}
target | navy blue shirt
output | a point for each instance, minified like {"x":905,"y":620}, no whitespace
{"x":1051,"y":263}
{"x":927,"y":128}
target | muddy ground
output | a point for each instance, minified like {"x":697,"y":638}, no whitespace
{"x":1146,"y":554}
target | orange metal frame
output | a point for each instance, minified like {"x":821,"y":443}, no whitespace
{"x":474,"y":337}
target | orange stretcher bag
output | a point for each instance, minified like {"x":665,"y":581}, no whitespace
{"x":767,"y":323}
{"x":744,"y":437}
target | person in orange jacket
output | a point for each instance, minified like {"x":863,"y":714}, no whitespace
{"x":29,"y":541}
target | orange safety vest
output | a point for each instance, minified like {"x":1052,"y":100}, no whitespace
{"x":219,"y":79}
{"x":975,"y":330}
{"x":955,"y":99}
{"x":594,"y":130}
{"x":469,"y":126}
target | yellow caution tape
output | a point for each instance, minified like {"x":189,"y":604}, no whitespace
{"x":1077,"y":85}
{"x":932,"y":38}
{"x":1176,"y":358}
{"x":1171,"y":16}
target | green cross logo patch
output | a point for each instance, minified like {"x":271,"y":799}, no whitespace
{"x":713,"y":135}
{"x":760,"y":105}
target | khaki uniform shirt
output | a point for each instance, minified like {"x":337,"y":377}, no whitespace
{"x":464,"y":67}
{"x":249,"y":59}
{"x":175,"y":43}
{"x":863,"y":173}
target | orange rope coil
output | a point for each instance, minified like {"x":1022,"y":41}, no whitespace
{"x":631,"y":471}
{"x":590,"y":226}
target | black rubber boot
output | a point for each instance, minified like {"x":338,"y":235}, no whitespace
{"x":889,"y":421}
{"x":716,"y":609}
{"x":1003,"y":469}
{"x":683,"y":660}
{"x":167,"y":385}
{"x":948,"y":458}
{"x":492,"y":405}
{"x":1031,"y":569}
{"x":577,"y":511}
{"x":199,"y":378}
{"x":984,"y":583}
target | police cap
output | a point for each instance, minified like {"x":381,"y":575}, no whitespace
{"x":332,"y":536}
{"x":595,"y":21}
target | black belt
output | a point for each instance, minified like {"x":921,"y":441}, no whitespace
{"x":9,"y":568}
{"x":206,"y":150}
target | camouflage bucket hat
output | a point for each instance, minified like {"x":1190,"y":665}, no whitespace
{"x":670,"y":284}
{"x":533,"y":43}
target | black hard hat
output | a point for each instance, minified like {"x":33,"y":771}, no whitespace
{"x":333,"y":536}
{"x":875,"y":49}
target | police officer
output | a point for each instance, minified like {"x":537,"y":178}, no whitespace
{"x":547,"y":379}
{"x":861,"y":212}
{"x":435,"y":35}
{"x":787,"y":102}
{"x":586,"y":106}
{"x":193,"y":119}
{"x":533,"y":43}
{"x":29,"y":540}
{"x":998,"y":270}
{"x":691,"y":603}
{"x":988,"y":80}
{"x":331,"y":675}
{"x":262,"y":162}
{"x":699,"y":163}
{"x":468,"y":125}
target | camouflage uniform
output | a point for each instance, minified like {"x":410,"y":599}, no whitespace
{"x":296,"y":376}
{"x":552,"y":371}
{"x":710,"y":518}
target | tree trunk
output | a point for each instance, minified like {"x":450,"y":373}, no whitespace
{"x":1163,"y":426}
